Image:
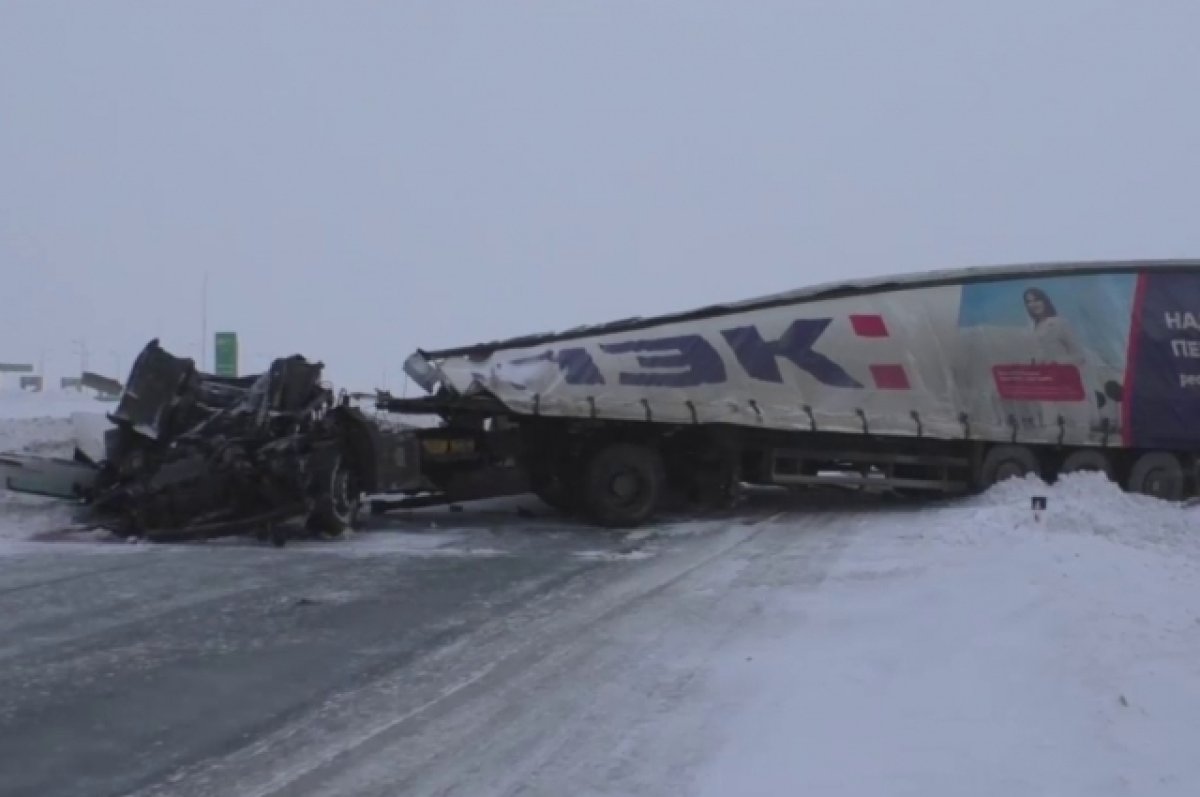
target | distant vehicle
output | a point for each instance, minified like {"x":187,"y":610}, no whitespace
{"x":942,"y":382}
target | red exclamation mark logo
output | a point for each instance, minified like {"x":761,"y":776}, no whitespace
{"x":887,"y":376}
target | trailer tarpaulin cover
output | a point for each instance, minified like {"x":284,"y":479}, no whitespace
{"x":1105,"y":356}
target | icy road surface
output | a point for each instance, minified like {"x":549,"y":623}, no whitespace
{"x":824,"y":649}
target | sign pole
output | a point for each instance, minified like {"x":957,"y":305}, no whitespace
{"x":204,"y":324}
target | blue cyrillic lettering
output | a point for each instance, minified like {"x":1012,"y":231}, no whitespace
{"x":760,"y":357}
{"x":694,"y":360}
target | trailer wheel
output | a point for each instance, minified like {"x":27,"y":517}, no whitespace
{"x":336,"y":509}
{"x":1157,"y":474}
{"x":623,"y":484}
{"x":1087,"y":460}
{"x":1007,"y":462}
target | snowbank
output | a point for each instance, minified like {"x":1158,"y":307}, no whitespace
{"x":40,"y":423}
{"x":50,"y":436}
{"x":49,"y":404}
{"x":979,"y":650}
{"x":1085,"y":504}
{"x":37,"y":423}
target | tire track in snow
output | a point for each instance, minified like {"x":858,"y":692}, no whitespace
{"x":618,"y":692}
{"x":495,"y":692}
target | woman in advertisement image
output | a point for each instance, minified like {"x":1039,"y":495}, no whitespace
{"x":1057,"y":344}
{"x":1056,"y":341}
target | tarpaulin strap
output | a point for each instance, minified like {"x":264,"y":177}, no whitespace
{"x":812,"y":421}
{"x":691,"y":405}
{"x":916,"y":416}
{"x":863,"y":417}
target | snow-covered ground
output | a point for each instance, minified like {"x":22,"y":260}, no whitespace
{"x":968,"y":648}
{"x":975,"y":650}
{"x":971,"y":648}
{"x":31,"y":425}
{"x":24,"y":405}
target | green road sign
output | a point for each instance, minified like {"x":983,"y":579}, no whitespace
{"x":226,"y":352}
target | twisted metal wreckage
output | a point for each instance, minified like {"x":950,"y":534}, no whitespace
{"x":188,"y":455}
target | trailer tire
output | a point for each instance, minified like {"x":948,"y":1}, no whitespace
{"x":1087,"y":460}
{"x":1158,"y":474}
{"x":1005,"y":462}
{"x":623,"y":484}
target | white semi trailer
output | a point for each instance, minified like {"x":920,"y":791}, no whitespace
{"x":943,"y":381}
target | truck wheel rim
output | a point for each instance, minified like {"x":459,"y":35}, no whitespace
{"x":1156,"y":482}
{"x":342,"y":501}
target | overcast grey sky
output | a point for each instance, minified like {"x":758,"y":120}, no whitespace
{"x":360,"y":179}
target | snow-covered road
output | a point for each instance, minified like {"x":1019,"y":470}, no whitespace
{"x":833,"y":648}
{"x":965,"y":650}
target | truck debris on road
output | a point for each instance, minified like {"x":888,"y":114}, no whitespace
{"x":187,"y":455}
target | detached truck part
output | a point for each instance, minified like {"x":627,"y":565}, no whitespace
{"x":942,"y":382}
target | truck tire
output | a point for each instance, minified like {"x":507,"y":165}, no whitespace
{"x":1087,"y":460}
{"x":623,"y":484}
{"x":337,"y":506}
{"x":1159,"y":474}
{"x":1006,"y":462}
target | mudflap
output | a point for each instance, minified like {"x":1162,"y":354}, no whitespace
{"x":46,"y":476}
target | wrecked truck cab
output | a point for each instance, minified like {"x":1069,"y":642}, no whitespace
{"x":187,"y":455}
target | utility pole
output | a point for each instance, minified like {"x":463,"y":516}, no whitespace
{"x":83,"y":355}
{"x":204,"y":325}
